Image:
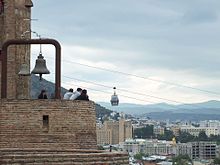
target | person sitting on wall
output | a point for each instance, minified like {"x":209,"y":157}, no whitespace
{"x":76,"y":94}
{"x":83,"y":96}
{"x":68,"y":94}
{"x":42,"y":95}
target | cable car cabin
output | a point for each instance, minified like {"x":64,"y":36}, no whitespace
{"x":114,"y":100}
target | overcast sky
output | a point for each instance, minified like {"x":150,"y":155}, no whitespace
{"x":167,"y":41}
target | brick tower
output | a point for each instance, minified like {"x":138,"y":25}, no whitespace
{"x":42,"y":131}
{"x":14,"y":21}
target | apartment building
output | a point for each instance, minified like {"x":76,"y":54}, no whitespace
{"x":192,"y":130}
{"x":150,"y":147}
{"x":114,"y":132}
{"x":203,"y":150}
{"x":158,"y":130}
{"x":209,"y":130}
{"x":198,"y":150}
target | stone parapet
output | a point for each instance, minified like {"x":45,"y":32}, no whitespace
{"x":47,"y":124}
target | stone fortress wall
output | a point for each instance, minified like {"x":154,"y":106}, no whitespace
{"x":47,"y":124}
{"x":51,"y":132}
{"x":42,"y":131}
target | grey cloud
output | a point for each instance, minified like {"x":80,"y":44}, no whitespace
{"x":175,"y":35}
{"x":200,"y":16}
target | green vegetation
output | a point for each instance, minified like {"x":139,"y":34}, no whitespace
{"x":101,"y":148}
{"x":145,"y":132}
{"x":215,"y":138}
{"x":139,"y":155}
{"x":217,"y":161}
{"x":168,"y":135}
{"x":181,"y":160}
{"x":185,"y":137}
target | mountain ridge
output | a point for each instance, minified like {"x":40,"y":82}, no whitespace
{"x":208,"y":107}
{"x":203,"y":110}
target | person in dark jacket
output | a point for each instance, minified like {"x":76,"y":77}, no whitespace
{"x":42,"y":95}
{"x":83,"y":95}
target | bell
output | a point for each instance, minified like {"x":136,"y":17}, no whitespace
{"x":40,"y":66}
{"x":28,"y":3}
{"x":24,"y":70}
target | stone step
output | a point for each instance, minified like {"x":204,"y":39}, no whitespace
{"x":44,"y":151}
{"x":63,"y":157}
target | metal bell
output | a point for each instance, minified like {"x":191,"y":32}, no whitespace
{"x":40,"y":66}
{"x":24,"y":70}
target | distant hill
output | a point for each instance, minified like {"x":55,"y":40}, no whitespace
{"x":102,"y":111}
{"x":209,"y":107}
{"x":167,"y":115}
{"x":37,"y":86}
{"x":209,"y":110}
{"x":199,"y":111}
{"x":137,"y":108}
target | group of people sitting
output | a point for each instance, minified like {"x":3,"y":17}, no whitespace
{"x":79,"y":94}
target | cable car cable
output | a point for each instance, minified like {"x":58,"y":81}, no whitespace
{"x":142,"y":77}
{"x":156,"y":80}
{"x":125,"y":90}
{"x":186,"y":104}
{"x":119,"y":95}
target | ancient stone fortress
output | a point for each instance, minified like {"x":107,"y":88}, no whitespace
{"x":51,"y":131}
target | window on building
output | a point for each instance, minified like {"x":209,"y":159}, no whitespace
{"x":45,"y":121}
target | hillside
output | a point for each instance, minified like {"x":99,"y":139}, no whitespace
{"x":200,"y":111}
{"x":37,"y":86}
{"x":209,"y":110}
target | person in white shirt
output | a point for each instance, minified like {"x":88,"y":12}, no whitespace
{"x":68,"y":94}
{"x":76,"y":94}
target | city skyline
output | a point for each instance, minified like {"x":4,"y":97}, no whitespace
{"x":174,"y":43}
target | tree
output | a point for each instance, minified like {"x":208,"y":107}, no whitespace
{"x":139,"y":156}
{"x":168,"y":135}
{"x":185,"y":137}
{"x":146,"y":132}
{"x":216,"y":161}
{"x":181,"y":160}
{"x":215,"y":138}
{"x":202,"y":136}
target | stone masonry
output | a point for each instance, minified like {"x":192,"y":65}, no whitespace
{"x":47,"y":124}
{"x":15,"y":21}
{"x":49,"y":131}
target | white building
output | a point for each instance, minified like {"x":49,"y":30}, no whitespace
{"x":150,"y":147}
{"x":209,"y":129}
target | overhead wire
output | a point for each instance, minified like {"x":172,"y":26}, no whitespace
{"x":146,"y":101}
{"x":119,"y":89}
{"x":142,"y":77}
{"x":186,"y":104}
